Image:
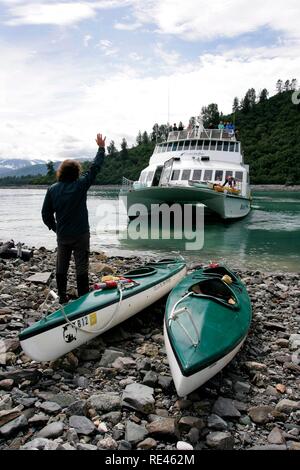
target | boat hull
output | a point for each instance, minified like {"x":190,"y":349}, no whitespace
{"x":49,"y":340}
{"x":185,"y":385}
{"x":227,"y":206}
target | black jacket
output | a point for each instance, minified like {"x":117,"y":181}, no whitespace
{"x":67,"y":200}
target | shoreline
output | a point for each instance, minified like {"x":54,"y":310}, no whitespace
{"x":76,"y":402}
{"x":254,"y":187}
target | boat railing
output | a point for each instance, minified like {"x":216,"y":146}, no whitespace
{"x":126,"y":183}
{"x":217,"y":134}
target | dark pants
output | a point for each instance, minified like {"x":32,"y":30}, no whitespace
{"x":80,"y":247}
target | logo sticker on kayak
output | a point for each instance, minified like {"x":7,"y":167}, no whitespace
{"x":69,"y":333}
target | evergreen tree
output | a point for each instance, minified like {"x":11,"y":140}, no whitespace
{"x":279,"y":86}
{"x":294,"y":84}
{"x":263,"y":96}
{"x":210,"y":115}
{"x":111,"y":149}
{"x":145,"y":138}
{"x":139,"y":138}
{"x":287,"y":85}
{"x":155,"y":133}
{"x":236,"y":105}
{"x":50,"y":168}
{"x":124,"y":148}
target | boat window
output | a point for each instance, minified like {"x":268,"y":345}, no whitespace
{"x":225,"y":146}
{"x":213,"y":145}
{"x":219,"y":175}
{"x":199,"y":144}
{"x":220,"y":145}
{"x":175,"y":145}
{"x":163,"y":147}
{"x":231,"y":146}
{"x":175,"y":175}
{"x":237,"y":147}
{"x":208,"y":175}
{"x":239,"y":175}
{"x":169,"y":148}
{"x":158,"y":149}
{"x":180,"y":145}
{"x":193,"y":144}
{"x":197,"y":175}
{"x":206,"y":145}
{"x":186,"y":175}
{"x":187,"y":144}
{"x":248,"y":178}
{"x":150,"y":176}
{"x":228,"y":173}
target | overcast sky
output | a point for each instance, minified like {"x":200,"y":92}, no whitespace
{"x":72,"y":68}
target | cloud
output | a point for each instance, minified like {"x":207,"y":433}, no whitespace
{"x":206,"y":19}
{"x":86,"y":40}
{"x":170,"y":58}
{"x":60,"y":13}
{"x":107,"y":47}
{"x":127,"y":26}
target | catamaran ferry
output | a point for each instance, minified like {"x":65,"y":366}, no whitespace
{"x":195,"y":166}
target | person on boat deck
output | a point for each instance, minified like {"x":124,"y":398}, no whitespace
{"x":67,"y":200}
{"x":211,"y":126}
{"x":175,"y":128}
{"x":221,"y":125}
{"x":180,"y":126}
{"x":230,"y":181}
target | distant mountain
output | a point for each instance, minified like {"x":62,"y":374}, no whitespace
{"x":21,"y":167}
{"x":10,"y":165}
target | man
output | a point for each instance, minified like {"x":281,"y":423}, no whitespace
{"x":67,"y":200}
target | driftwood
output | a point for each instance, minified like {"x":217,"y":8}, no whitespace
{"x":9,"y":250}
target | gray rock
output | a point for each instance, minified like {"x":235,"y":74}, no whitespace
{"x":81,"y":382}
{"x":40,"y":278}
{"x":188,"y":422}
{"x":105,"y":402}
{"x":66,"y":446}
{"x":39,"y":418}
{"x":294,"y":341}
{"x":143,"y":364}
{"x":6,"y":403}
{"x":135,"y":433}
{"x":165,"y":381}
{"x":50,"y":407}
{"x":124,"y":445}
{"x":147,"y":444}
{"x":77,"y":408}
{"x":81,"y":446}
{"x":6,"y":384}
{"x":82,"y":425}
{"x":107,"y":444}
{"x":40,"y":443}
{"x":123,"y":363}
{"x":261,"y":414}
{"x":52,"y":430}
{"x":139,"y":397}
{"x":90,"y":354}
{"x":276,"y":437}
{"x":114,"y":417}
{"x":165,"y":428}
{"x":62,"y":399}
{"x":242,"y":387}
{"x":150,"y":378}
{"x":193,"y":435}
{"x":109,"y":357}
{"x":216,"y":422}
{"x":225,"y":407}
{"x":13,"y":426}
{"x":287,"y":406}
{"x":220,"y":440}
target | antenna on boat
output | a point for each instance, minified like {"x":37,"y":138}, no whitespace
{"x":168,"y":100}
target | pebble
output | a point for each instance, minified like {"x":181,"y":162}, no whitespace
{"x":117,"y":393}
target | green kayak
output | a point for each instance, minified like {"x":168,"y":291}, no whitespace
{"x":207,"y":319}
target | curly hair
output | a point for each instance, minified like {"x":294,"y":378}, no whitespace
{"x":68,"y":171}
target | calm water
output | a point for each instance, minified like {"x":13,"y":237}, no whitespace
{"x":269,"y":238}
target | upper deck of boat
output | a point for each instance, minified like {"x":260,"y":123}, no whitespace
{"x":196,"y":133}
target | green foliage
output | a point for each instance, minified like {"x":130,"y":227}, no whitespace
{"x":210,"y":115}
{"x":50,"y":169}
{"x":270,"y":136}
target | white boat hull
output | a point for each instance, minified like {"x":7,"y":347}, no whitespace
{"x":51,"y":344}
{"x":185,"y":385}
{"x":225,"y":205}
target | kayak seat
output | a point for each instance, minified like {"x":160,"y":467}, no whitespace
{"x":220,"y":271}
{"x":217,"y":290}
{"x":139,"y":272}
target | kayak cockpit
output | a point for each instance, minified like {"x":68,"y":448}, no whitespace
{"x":217,"y":290}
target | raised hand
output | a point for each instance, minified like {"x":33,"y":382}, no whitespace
{"x":100,"y":141}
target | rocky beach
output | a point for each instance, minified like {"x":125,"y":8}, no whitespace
{"x":116,"y":392}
